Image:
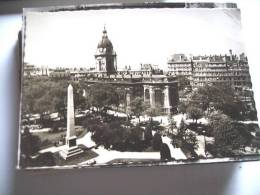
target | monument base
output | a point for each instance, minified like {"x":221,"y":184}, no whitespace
{"x":70,"y":152}
{"x":72,"y":149}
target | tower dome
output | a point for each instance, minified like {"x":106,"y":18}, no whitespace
{"x":105,"y":43}
{"x":105,"y":55}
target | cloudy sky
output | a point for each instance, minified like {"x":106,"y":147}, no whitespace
{"x":70,"y":38}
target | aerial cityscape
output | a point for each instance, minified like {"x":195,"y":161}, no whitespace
{"x":200,"y":109}
{"x":155,"y":86}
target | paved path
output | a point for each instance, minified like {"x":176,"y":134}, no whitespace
{"x":105,"y":155}
{"x":175,"y":152}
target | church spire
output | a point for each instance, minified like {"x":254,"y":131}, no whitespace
{"x":104,"y":31}
{"x":105,"y":55}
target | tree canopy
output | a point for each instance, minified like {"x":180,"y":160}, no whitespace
{"x":138,"y":106}
{"x":103,"y":95}
{"x":194,"y":112}
{"x":220,"y":97}
{"x":184,"y":137}
{"x":228,"y":134}
{"x":183,"y":81}
{"x":117,"y":136}
{"x":47,"y":96}
{"x":30,"y":144}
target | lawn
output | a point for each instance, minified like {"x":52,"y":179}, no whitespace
{"x":49,"y":138}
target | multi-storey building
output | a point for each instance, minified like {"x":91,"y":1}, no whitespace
{"x":30,"y":70}
{"x":211,"y":69}
{"x":180,"y":65}
{"x":201,"y":70}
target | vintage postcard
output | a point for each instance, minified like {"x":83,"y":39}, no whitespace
{"x":135,"y":84}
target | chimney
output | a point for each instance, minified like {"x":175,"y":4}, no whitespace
{"x":230,"y":53}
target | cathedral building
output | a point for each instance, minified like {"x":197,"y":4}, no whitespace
{"x":158,"y":90}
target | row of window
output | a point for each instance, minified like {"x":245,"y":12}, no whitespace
{"x":180,"y":68}
{"x":222,"y":78}
{"x":181,"y":72}
{"x":211,"y":79}
{"x":211,"y":74}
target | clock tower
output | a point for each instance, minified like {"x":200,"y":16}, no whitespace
{"x":105,"y":56}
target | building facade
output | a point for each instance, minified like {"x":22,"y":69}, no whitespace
{"x":30,"y":70}
{"x":157,"y":90}
{"x":180,"y":65}
{"x":201,"y":70}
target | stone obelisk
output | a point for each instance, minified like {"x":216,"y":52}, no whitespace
{"x":71,"y":148}
{"x":70,"y":117}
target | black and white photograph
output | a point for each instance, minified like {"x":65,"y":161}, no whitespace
{"x":135,"y":85}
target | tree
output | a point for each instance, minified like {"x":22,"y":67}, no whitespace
{"x":43,"y":106}
{"x":176,"y":141}
{"x":184,"y":137}
{"x":202,"y":97}
{"x":195,"y":113}
{"x":58,"y":95}
{"x":187,"y":136}
{"x":55,"y":128}
{"x":165,"y":152}
{"x":30,"y":144}
{"x":182,"y":129}
{"x":227,"y":134}
{"x":183,"y":81}
{"x":172,"y":124}
{"x":101,"y":134}
{"x":135,"y":141}
{"x":32,"y":90}
{"x":153,"y":111}
{"x":148,"y":136}
{"x":182,"y":107}
{"x":155,"y":126}
{"x":116,"y":136}
{"x":121,"y":94}
{"x":157,"y":141}
{"x":137,"y":106}
{"x":59,"y":103}
{"x":216,"y":118}
{"x":220,"y":97}
{"x":191,"y":140}
{"x":79,"y":99}
{"x":42,"y":95}
{"x":103,"y":95}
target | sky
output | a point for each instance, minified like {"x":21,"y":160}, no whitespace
{"x":70,"y":38}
